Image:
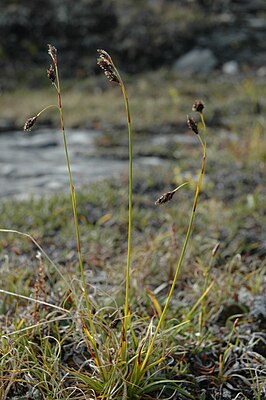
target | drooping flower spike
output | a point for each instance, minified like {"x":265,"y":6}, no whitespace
{"x":52,"y":51}
{"x":106,"y":63}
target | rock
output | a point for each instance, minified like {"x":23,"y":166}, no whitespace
{"x":261,"y":72}
{"x":34,"y":163}
{"x":196,"y":61}
{"x":230,"y":68}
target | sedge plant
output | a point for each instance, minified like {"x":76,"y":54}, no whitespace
{"x":112,"y":74}
{"x":53,"y":76}
{"x":125,"y":364}
{"x":140,"y":361}
{"x":141,"y":367}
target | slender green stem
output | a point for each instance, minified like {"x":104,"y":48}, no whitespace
{"x":74,"y":207}
{"x":46,"y":108}
{"x":200,"y":300}
{"x":72,"y":190}
{"x":180,"y":186}
{"x":204,"y":129}
{"x":180,"y":261}
{"x":126,"y":306}
{"x":112,"y":73}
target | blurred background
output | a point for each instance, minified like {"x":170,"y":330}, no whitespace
{"x":141,"y":35}
{"x":169,"y":53}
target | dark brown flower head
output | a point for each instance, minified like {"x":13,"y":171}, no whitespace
{"x":165,"y":198}
{"x":52,"y":51}
{"x":198,"y":106}
{"x":105,"y":56}
{"x":106,"y":63}
{"x":29,"y":123}
{"x":192,"y":125}
{"x":114,"y":323}
{"x":51,"y":74}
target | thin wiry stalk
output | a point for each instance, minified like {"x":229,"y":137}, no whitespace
{"x":39,"y":324}
{"x":126,"y":306}
{"x":37,"y":301}
{"x":46,"y":108}
{"x":40,"y":249}
{"x":112,"y":74}
{"x":200,"y":300}
{"x":73,"y":198}
{"x":74,"y":207}
{"x":180,"y":261}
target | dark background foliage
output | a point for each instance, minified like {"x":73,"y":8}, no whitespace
{"x":141,"y":34}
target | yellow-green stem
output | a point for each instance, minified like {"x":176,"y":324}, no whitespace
{"x":46,"y":108}
{"x":126,"y":306}
{"x":74,"y":207}
{"x":189,"y":229}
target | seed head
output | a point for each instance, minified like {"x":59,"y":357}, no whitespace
{"x":192,"y":125}
{"x":114,"y":323}
{"x":52,"y":51}
{"x":198,"y":106}
{"x":165,"y":198}
{"x":51,"y":74}
{"x":105,"y":56}
{"x":29,"y":124}
{"x":105,"y":62}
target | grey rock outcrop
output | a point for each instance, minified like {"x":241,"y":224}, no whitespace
{"x":197,"y":61}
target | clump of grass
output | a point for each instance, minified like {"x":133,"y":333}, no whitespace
{"x":123,"y":366}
